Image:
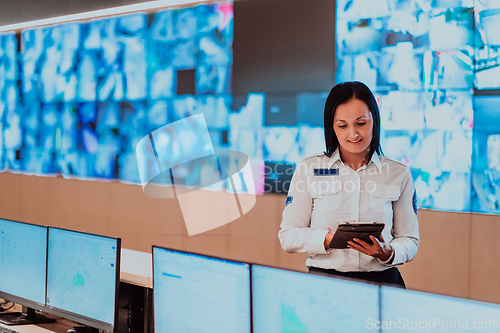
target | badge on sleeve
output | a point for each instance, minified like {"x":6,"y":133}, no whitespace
{"x":415,"y":201}
{"x":326,"y":172}
{"x":289,"y":199}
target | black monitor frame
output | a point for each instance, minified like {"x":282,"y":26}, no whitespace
{"x":206,"y":256}
{"x":84,"y":320}
{"x":29,"y":306}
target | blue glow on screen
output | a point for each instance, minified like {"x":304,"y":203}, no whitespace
{"x":422,"y":60}
{"x":195,"y":293}
{"x":431,"y":132}
{"x":89,"y":91}
{"x":487,"y":42}
{"x":421,"y":312}
{"x":285,"y":301}
{"x":486,"y":156}
{"x":81,"y":274}
{"x":23,"y":259}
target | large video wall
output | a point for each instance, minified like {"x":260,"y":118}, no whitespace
{"x":77,"y":97}
{"x":429,"y":63}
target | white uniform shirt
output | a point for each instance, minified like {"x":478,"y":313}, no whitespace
{"x":381,"y":191}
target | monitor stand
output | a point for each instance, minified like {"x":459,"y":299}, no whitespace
{"x":27,"y":317}
{"x":82,"y":329}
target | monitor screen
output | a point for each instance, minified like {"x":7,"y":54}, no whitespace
{"x":286,"y":301}
{"x":421,"y":312}
{"x":487,"y":69}
{"x":82,"y":277}
{"x":486,"y":156}
{"x":23,"y":258}
{"x":194,"y":293}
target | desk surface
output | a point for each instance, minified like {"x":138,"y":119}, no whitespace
{"x":61,"y":326}
{"x":43,"y":328}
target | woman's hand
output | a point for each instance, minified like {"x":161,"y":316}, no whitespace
{"x":380,"y":249}
{"x":328,"y":238}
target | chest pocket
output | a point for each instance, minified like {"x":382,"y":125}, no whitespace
{"x":329,"y":198}
{"x":382,"y":196}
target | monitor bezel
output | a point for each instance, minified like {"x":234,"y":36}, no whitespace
{"x":21,"y":300}
{"x":206,"y":256}
{"x":84,"y":320}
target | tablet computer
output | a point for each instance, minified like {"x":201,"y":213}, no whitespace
{"x":346,"y":232}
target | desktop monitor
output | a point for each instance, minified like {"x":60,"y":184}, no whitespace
{"x":83,"y":272}
{"x":195,"y":293}
{"x":23,"y":258}
{"x":287,"y":301}
{"x":412,"y":311}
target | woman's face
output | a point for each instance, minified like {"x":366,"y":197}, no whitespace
{"x":353,"y":125}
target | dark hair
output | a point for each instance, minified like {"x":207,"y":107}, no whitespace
{"x":341,"y":94}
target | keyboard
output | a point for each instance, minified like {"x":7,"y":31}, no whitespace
{"x":7,"y":330}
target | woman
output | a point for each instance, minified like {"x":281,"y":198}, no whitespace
{"x":352,"y":181}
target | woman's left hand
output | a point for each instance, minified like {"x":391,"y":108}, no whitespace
{"x":380,"y":249}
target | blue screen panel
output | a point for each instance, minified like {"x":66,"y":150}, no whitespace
{"x":280,"y":144}
{"x":487,"y":44}
{"x":194,"y":293}
{"x":421,"y":60}
{"x":486,"y":156}
{"x":285,"y":301}
{"x":23,"y":257}
{"x":405,"y":310}
{"x":81,"y":274}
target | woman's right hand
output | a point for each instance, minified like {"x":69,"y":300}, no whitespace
{"x":328,"y":238}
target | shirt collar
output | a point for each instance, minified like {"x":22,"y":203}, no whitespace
{"x":336,"y":157}
{"x":376,"y":160}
